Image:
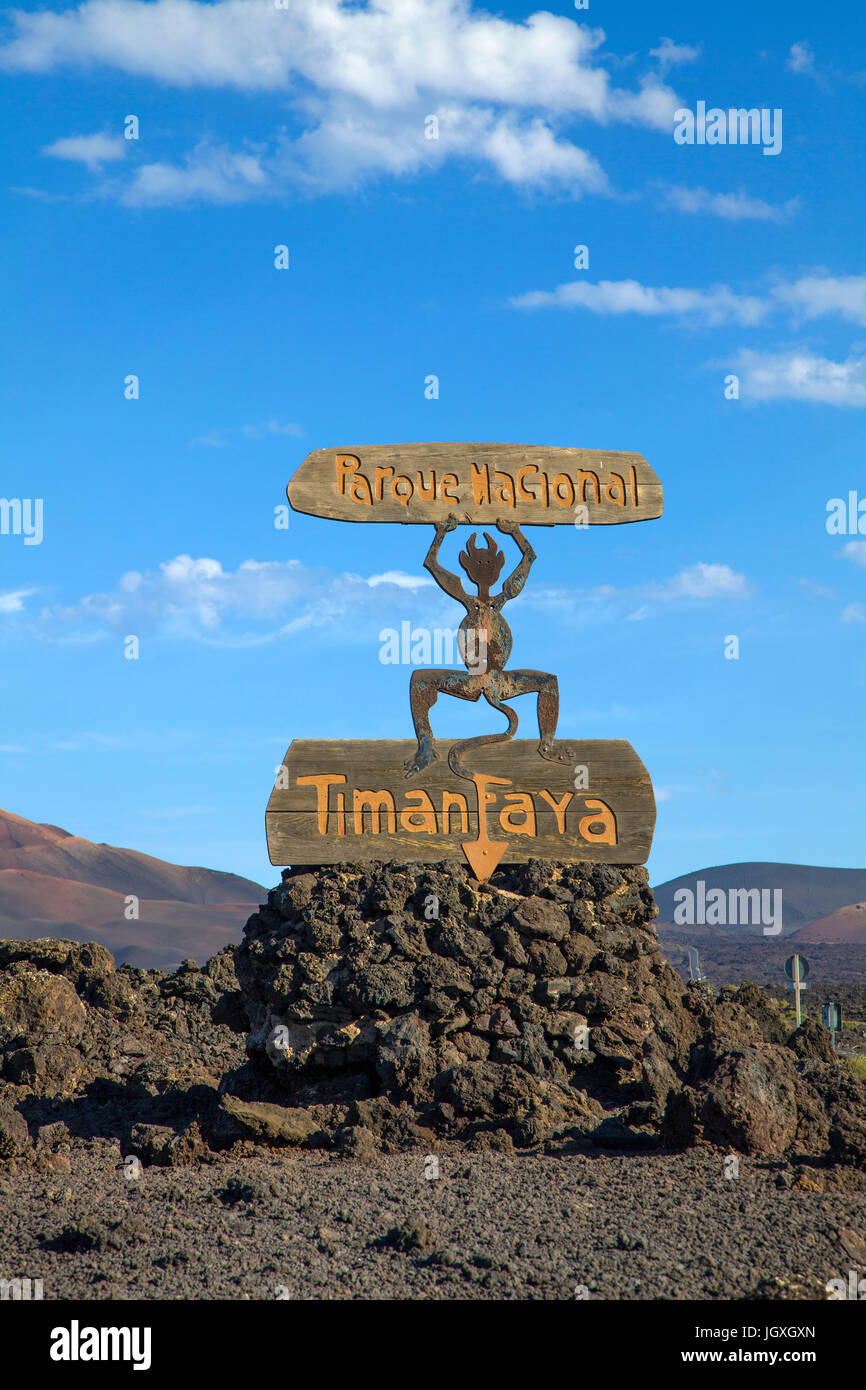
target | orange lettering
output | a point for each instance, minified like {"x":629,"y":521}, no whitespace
{"x":522,"y":491}
{"x":424,"y":810}
{"x":584,"y":476}
{"x":615,"y":490}
{"x":450,"y":480}
{"x":375,"y":803}
{"x":480,"y":483}
{"x":344,"y":467}
{"x":505,"y":491}
{"x":559,"y":808}
{"x":381,"y":475}
{"x":604,"y":818}
{"x":321,"y":781}
{"x":458,"y":801}
{"x":523,"y":807}
{"x":566,"y":500}
{"x":360,"y":490}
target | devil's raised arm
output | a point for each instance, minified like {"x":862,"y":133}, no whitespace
{"x":447,"y":581}
{"x":516,"y":580}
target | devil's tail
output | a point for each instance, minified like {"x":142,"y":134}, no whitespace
{"x":459,"y":749}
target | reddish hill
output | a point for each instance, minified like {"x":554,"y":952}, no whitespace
{"x":56,"y":884}
{"x":18,"y":833}
{"x":847,"y":925}
{"x":808,"y":891}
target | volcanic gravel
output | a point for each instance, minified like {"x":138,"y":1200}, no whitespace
{"x":308,"y":1225}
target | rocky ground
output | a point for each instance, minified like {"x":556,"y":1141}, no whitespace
{"x":407,"y":1084}
{"x":311,"y":1225}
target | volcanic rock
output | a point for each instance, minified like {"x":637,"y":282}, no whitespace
{"x":378,"y":1007}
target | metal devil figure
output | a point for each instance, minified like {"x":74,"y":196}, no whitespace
{"x":491,"y":798}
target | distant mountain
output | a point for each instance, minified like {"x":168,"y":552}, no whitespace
{"x":56,"y":884}
{"x":845,"y":927}
{"x":809,"y":893}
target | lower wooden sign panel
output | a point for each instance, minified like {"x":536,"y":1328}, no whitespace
{"x":350,"y":801}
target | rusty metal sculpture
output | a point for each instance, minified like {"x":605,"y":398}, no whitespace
{"x":362,"y":800}
{"x":484,"y":642}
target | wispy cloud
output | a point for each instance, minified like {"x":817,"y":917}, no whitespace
{"x":813,"y":296}
{"x":92,"y":150}
{"x":13,"y":602}
{"x":210,"y":173}
{"x":359,"y":81}
{"x":261,"y":601}
{"x":732,"y":207}
{"x":222,"y":438}
{"x":809,"y":297}
{"x":701,"y":582}
{"x":799,"y":375}
{"x":265,"y":601}
{"x":713,"y":306}
{"x":670,"y":54}
{"x":801,"y":59}
{"x":402,"y":580}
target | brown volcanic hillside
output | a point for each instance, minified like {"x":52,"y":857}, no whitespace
{"x":18,"y":833}
{"x":846,"y":926}
{"x":808,"y":890}
{"x":56,"y":884}
{"x":44,"y":849}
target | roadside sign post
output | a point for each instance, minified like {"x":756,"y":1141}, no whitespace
{"x":796,"y":969}
{"x":831,"y":1017}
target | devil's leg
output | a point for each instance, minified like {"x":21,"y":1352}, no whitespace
{"x":425,"y":687}
{"x":514,"y":683}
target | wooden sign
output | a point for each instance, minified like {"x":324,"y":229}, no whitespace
{"x":477,"y":483}
{"x":345,"y":801}
{"x":486,"y":799}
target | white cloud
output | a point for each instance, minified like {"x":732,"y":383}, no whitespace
{"x":386,"y":53}
{"x":670,"y":54}
{"x":92,"y":150}
{"x":532,"y":155}
{"x":854,"y":613}
{"x":856,"y":551}
{"x":801,"y":59}
{"x":271,"y":427}
{"x":263,"y":601}
{"x":797,"y":374}
{"x":817,"y":590}
{"x":668,"y":793}
{"x":717,"y":305}
{"x":704,"y":581}
{"x":13,"y":602}
{"x":402,"y":580}
{"x":697,"y":582}
{"x":258,"y":602}
{"x":733,"y":207}
{"x":813,"y":296}
{"x":209,"y":173}
{"x":359,"y":81}
{"x":221,"y":438}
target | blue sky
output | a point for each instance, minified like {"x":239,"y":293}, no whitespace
{"x":409,"y":257}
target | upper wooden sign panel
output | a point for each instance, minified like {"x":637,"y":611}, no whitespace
{"x":424,"y":483}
